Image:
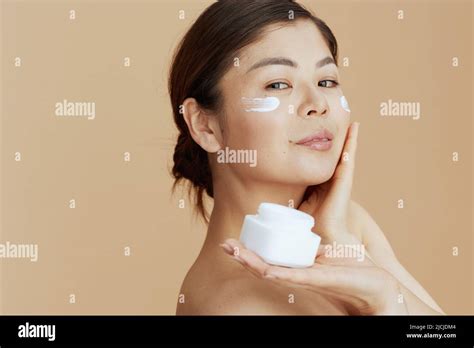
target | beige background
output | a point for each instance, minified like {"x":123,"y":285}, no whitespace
{"x":120,"y":204}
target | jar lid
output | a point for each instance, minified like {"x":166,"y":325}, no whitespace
{"x":280,"y":215}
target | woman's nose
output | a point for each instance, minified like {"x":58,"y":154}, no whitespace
{"x":314,"y":104}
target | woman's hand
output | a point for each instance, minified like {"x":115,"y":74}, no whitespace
{"x":328,"y":202}
{"x":364,"y":288}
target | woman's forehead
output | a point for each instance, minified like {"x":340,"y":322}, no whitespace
{"x":299,"y":42}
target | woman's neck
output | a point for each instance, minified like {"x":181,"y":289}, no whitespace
{"x":233,"y":202}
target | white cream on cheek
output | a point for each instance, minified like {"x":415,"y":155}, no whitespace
{"x":261,"y":104}
{"x":344,"y":103}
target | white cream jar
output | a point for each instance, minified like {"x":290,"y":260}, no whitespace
{"x":281,"y":236}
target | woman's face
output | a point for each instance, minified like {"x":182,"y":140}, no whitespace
{"x":281,"y":92}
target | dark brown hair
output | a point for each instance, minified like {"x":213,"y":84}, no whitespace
{"x":203,"y":56}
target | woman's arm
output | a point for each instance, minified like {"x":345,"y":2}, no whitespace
{"x":382,"y":254}
{"x":361,"y":286}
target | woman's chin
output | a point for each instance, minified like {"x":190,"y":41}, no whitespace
{"x":315,"y":176}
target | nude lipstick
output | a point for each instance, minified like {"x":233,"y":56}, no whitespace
{"x":321,"y":140}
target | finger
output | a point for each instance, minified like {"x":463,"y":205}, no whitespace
{"x":319,"y":276}
{"x":256,"y":265}
{"x":234,"y":246}
{"x":227,"y":248}
{"x":230,"y":251}
{"x":288,"y":284}
{"x":259,"y":268}
{"x":272,"y":274}
{"x":250,"y":259}
{"x":344,"y":173}
{"x":321,"y":250}
{"x":342,"y":280}
{"x":247,"y":267}
{"x":345,"y":169}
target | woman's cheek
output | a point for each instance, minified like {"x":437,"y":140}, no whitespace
{"x":265,"y":133}
{"x":341,"y":113}
{"x":338,"y":104}
{"x":260,"y":120}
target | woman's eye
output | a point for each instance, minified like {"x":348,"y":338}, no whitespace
{"x":332,"y":83}
{"x":277,"y":85}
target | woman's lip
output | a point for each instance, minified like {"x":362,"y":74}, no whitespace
{"x":320,"y":145}
{"x":317,"y":137}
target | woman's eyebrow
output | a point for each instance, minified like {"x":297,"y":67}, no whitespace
{"x":288,"y":62}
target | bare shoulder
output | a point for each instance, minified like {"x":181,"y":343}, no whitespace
{"x":244,"y":295}
{"x":234,"y":291}
{"x":367,"y":229}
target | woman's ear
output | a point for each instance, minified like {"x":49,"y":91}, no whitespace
{"x":202,"y":126}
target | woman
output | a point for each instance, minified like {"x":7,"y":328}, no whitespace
{"x":261,"y":77}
